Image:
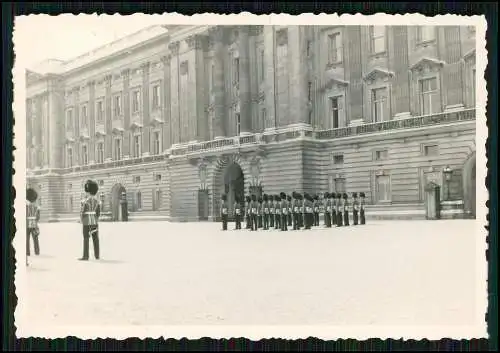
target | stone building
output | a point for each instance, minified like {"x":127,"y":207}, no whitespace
{"x":176,"y":115}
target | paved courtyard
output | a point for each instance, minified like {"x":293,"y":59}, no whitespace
{"x":159,"y":273}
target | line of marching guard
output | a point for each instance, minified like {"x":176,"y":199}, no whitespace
{"x":296,"y":211}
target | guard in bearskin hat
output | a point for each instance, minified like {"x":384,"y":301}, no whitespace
{"x":308,"y":211}
{"x":272,"y":211}
{"x":290,"y":209}
{"x":224,"y":211}
{"x":316,"y":204}
{"x":355,"y":208}
{"x":284,"y":212}
{"x":32,"y":219}
{"x":89,"y":216}
{"x":277,"y":212}
{"x":295,"y":211}
{"x":254,"y":212}
{"x":346,"y":209}
{"x":265,"y":209}
{"x":248,"y":216}
{"x":301,"y":210}
{"x":237,"y":213}
{"x":340,"y":210}
{"x":327,"y":204}
{"x":362,"y":208}
{"x":261,"y":212}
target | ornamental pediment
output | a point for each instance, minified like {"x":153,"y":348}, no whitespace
{"x":378,"y":74}
{"x":84,"y":137}
{"x":156,"y":121}
{"x":117,"y":130}
{"x":100,"y":133}
{"x":135,"y":125}
{"x":69,"y":140}
{"x":427,"y":64}
{"x":332,"y":81}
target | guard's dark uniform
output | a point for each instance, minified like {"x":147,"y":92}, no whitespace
{"x":265,"y":209}
{"x":308,"y":211}
{"x":254,"y":213}
{"x":346,"y":210}
{"x":89,"y":215}
{"x":238,"y":212}
{"x":340,"y":210}
{"x":284,"y":212}
{"x":247,"y":213}
{"x":316,"y":210}
{"x":261,"y":214}
{"x":224,"y":212}
{"x":355,"y":208}
{"x":32,"y":219}
{"x":328,"y":210}
{"x":277,"y":212}
{"x":290,"y":209}
{"x":272,"y":211}
{"x":362,"y":208}
{"x":302,"y":219}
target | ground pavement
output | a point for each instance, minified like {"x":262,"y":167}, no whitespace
{"x":160,"y":273}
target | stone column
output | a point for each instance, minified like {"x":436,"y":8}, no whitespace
{"x":219,"y":86}
{"x":126,"y":112}
{"x":165,"y":91}
{"x":398,"y":47}
{"x":270,"y":76}
{"x":91,"y":113}
{"x":452,"y":72}
{"x":109,"y":120}
{"x":244,"y":81}
{"x":76,"y":113}
{"x":55,"y":109}
{"x":298,"y":79}
{"x":145,"y":110}
{"x":174,"y":93}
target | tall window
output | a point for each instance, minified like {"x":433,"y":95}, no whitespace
{"x":136,"y":96}
{"x":262,"y":70}
{"x":156,"y":199}
{"x":429,"y":96}
{"x":100,"y":152}
{"x":426,"y":34}
{"x":212,"y":76}
{"x":118,"y":149}
{"x":377,"y":36}
{"x":381,"y":155}
{"x":85,"y":155}
{"x":100,"y":111}
{"x":70,"y":203}
{"x":383,"y":188}
{"x":238,"y":123}
{"x":156,"y":142}
{"x":84,"y":120}
{"x":117,"y":105}
{"x":263,"y":116}
{"x":69,"y":155}
{"x":236,"y":70}
{"x":336,"y":109}
{"x":379,"y":103}
{"x":334,"y":48}
{"x":137,"y":146}
{"x":139,"y":200}
{"x":156,"y":96}
{"x":69,"y":120}
{"x":308,"y":48}
{"x":309,"y":91}
{"x":340,"y":185}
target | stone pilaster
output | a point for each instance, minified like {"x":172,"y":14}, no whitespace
{"x":126,"y":111}
{"x":108,"y":119}
{"x":174,"y":93}
{"x":244,"y":82}
{"x":452,"y":72}
{"x":354,"y":71}
{"x":165,"y":91}
{"x":76,"y":113}
{"x":219,"y":116}
{"x":270,"y":76}
{"x":146,"y":138}
{"x":298,"y":79}
{"x":401,"y":85}
{"x":91,"y":111}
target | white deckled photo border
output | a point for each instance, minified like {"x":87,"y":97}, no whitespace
{"x":478,"y":329}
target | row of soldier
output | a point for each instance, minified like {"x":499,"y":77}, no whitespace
{"x":296,"y":210}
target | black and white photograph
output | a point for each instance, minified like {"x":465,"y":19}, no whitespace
{"x":250,"y":176}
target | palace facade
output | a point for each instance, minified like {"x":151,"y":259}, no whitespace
{"x":174,"y":116}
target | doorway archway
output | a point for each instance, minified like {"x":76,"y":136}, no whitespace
{"x":116,"y":192}
{"x":469,"y":186}
{"x":234,"y":185}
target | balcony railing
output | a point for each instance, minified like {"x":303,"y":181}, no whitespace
{"x":279,"y":135}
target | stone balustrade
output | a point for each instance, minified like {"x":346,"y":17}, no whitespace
{"x":274,"y":136}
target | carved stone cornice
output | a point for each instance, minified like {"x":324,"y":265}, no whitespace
{"x":107,"y":79}
{"x":174,"y":48}
{"x":165,"y":59}
{"x":427,"y":64}
{"x":376,"y":74}
{"x":91,"y":83}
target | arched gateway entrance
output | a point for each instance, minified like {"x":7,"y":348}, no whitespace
{"x":469,"y":183}
{"x":230,"y":180}
{"x":116,"y":195}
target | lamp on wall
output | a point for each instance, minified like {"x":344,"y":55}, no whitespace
{"x":447,"y":171}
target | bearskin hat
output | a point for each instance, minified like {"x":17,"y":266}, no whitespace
{"x":91,"y":187}
{"x":332,"y":195}
{"x":326,"y":195}
{"x":254,"y":197}
{"x":339,"y":195}
{"x":265,"y":197}
{"x":316,"y":197}
{"x":289,"y":198}
{"x":282,"y":195}
{"x":223,"y":197}
{"x":260,"y":199}
{"x":248,"y":198}
{"x":354,"y":195}
{"x":31,"y":195}
{"x":361,"y":194}
{"x":344,"y":195}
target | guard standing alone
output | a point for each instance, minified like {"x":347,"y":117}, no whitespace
{"x":362,"y":208}
{"x":32,"y":219}
{"x":89,"y":215}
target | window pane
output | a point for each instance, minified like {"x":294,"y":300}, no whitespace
{"x":379,"y":45}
